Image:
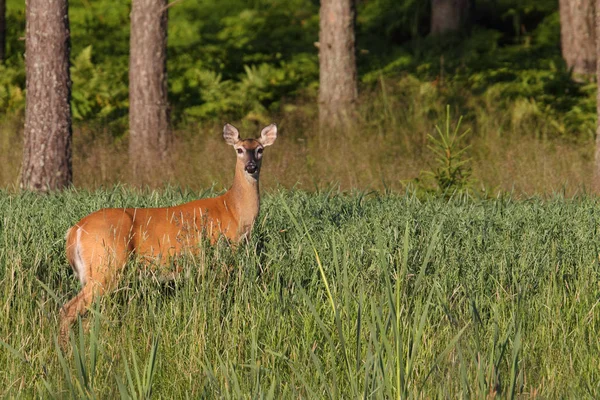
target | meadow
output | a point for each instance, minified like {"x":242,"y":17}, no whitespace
{"x":371,"y":272}
{"x":336,"y":295}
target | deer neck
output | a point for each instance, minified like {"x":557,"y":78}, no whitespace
{"x":244,"y":198}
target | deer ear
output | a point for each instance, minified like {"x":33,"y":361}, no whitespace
{"x":231,"y":134}
{"x":268,"y":135}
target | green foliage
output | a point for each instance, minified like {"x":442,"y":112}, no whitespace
{"x":84,"y":360}
{"x":81,"y":369}
{"x":12,"y":83}
{"x":451,"y":171}
{"x":225,"y":60}
{"x":141,"y":386}
{"x":381,"y":23}
{"x":245,"y":60}
{"x":547,"y":33}
{"x":12,"y":72}
{"x":94,"y":93}
{"x":257,"y":93}
{"x":531,"y":74}
{"x":234,"y":59}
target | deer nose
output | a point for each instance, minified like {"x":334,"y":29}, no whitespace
{"x":251,"y":168}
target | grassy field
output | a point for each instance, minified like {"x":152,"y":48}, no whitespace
{"x":335,"y":296}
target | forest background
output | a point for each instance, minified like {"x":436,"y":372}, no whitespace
{"x":531,"y":126}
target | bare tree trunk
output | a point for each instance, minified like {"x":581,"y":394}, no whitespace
{"x":149,"y":135}
{"x":337,"y":62}
{"x":47,"y":147}
{"x":577,"y":35}
{"x":448,"y":16}
{"x":596,"y":176}
{"x":2,"y":30}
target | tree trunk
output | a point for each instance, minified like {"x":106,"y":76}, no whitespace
{"x":596,"y":176}
{"x":47,"y":147}
{"x":577,"y":35}
{"x":449,"y":16}
{"x":337,"y":62}
{"x":2,"y":30}
{"x":149,"y":135}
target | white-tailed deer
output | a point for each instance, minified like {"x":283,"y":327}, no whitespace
{"x":99,"y":245}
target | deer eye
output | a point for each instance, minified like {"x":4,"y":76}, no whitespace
{"x":259,"y":151}
{"x":240,"y":151}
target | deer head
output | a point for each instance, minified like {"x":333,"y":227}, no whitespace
{"x":250,"y":151}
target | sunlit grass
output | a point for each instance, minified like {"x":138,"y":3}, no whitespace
{"x":510,"y":148}
{"x":363,"y":295}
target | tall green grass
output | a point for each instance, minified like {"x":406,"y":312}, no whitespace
{"x":335,"y":296}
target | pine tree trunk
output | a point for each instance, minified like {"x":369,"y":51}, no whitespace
{"x":149,"y":135}
{"x":337,"y":63}
{"x":2,"y":30}
{"x":596,"y":176}
{"x":47,"y":146}
{"x":577,"y":35}
{"x":448,"y":16}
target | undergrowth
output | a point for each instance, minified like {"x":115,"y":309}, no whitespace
{"x":230,"y":59}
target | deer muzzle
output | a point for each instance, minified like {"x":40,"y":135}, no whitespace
{"x":251,"y":168}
